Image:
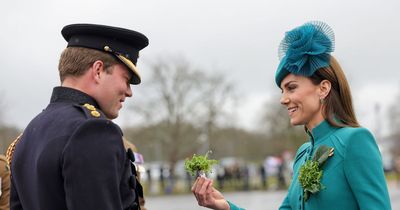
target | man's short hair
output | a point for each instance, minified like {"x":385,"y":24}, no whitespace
{"x":75,"y":61}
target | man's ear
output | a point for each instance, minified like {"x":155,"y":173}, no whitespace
{"x":324,"y":87}
{"x":97,"y":70}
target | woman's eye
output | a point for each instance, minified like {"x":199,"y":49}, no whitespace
{"x":291,"y":87}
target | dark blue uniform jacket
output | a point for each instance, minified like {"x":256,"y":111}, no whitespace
{"x":69,"y":157}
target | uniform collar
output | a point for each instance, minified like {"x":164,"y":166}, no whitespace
{"x":65,"y":94}
{"x":321,"y":130}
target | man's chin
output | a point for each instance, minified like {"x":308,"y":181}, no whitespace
{"x":111,"y":116}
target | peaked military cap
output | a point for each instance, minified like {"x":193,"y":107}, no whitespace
{"x":124,"y":44}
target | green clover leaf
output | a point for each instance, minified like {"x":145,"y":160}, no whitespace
{"x":199,"y":164}
{"x":311,"y":172}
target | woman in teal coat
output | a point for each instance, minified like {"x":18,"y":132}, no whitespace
{"x":340,"y":166}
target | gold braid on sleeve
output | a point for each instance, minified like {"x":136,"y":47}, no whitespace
{"x":11,"y":149}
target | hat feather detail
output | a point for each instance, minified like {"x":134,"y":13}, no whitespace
{"x":307,"y":48}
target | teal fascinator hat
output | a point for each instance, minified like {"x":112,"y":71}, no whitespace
{"x":304,"y":50}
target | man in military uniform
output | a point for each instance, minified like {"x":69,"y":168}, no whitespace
{"x":71,"y":156}
{"x":5,"y":184}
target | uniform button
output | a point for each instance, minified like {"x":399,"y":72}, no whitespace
{"x":134,"y":206}
{"x":133,"y":169}
{"x":132,"y":182}
{"x":131,"y":156}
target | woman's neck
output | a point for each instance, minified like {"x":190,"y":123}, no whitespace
{"x":314,"y":122}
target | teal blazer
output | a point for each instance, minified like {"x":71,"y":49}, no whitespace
{"x":353,"y":177}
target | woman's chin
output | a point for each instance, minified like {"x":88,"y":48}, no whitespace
{"x":295,"y":122}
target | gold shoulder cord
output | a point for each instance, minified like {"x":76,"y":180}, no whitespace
{"x":11,"y":149}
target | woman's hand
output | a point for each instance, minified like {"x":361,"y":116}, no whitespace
{"x":207,"y":196}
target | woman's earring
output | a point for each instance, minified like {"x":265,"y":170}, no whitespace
{"x":321,"y":100}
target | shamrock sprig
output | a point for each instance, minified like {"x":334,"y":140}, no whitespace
{"x":311,"y":172}
{"x":199,"y":164}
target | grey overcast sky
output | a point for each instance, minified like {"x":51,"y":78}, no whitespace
{"x":239,"y":38}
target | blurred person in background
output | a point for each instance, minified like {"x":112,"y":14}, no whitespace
{"x":5,"y":184}
{"x":263,"y":176}
{"x":396,"y":167}
{"x":340,"y":167}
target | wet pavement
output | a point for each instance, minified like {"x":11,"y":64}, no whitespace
{"x":253,"y":200}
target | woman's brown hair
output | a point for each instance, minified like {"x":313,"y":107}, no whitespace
{"x":338,"y":109}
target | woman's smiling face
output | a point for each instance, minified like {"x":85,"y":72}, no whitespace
{"x":302,"y":99}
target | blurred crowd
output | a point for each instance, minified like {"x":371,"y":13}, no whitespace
{"x":230,"y":174}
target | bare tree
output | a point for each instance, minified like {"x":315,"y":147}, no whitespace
{"x":219,"y":93}
{"x":182,"y":101}
{"x":7,"y":133}
{"x":276,"y":125}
